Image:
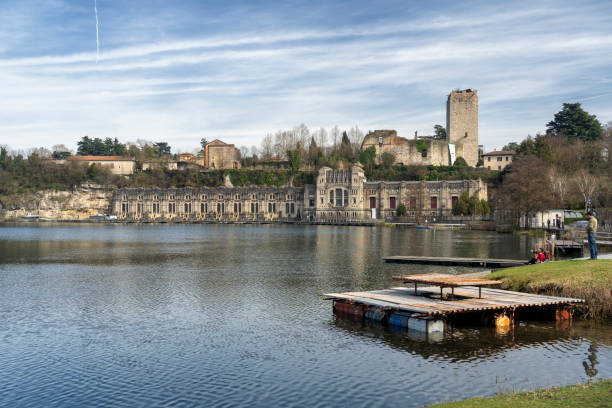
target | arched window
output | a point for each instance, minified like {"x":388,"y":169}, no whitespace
{"x":338,"y":197}
{"x":346,"y":201}
{"x":331,"y":197}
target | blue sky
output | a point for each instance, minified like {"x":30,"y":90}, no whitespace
{"x":182,"y":70}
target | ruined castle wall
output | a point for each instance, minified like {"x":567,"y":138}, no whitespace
{"x":436,"y":153}
{"x":405,"y":150}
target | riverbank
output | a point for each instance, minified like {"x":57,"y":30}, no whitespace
{"x":585,"y":279}
{"x":594,"y":394}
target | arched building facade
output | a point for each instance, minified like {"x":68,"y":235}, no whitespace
{"x":339,"y":196}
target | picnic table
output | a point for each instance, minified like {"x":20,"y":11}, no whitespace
{"x":446,"y":281}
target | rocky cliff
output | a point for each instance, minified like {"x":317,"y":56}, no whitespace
{"x":80,"y":204}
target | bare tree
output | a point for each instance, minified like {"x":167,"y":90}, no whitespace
{"x":559,"y":184}
{"x":321,"y":138}
{"x":254,"y":151}
{"x":586,"y":184}
{"x":335,"y":136}
{"x":523,"y":192}
{"x":39,"y":151}
{"x":356,"y":137}
{"x":244,"y":151}
{"x":282,"y":140}
{"x":267,"y":146}
{"x":302,"y":134}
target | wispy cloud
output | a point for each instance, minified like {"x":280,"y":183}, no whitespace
{"x":391,"y":70}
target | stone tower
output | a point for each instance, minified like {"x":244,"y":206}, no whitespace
{"x":462,"y":124}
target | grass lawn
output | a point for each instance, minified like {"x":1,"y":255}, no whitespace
{"x":590,"y":395}
{"x":586,"y":279}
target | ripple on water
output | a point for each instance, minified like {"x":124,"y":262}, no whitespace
{"x":114,"y":316}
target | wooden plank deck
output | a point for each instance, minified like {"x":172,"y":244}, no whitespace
{"x":427,"y":302}
{"x":478,"y":262}
{"x":560,"y":243}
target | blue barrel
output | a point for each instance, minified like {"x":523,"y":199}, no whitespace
{"x":399,"y":319}
{"x":376,"y":314}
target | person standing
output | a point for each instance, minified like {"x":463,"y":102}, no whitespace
{"x":592,"y":234}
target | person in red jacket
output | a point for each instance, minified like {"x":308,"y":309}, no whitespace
{"x":541,"y":256}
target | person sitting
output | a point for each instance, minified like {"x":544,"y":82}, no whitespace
{"x":541,"y":256}
{"x":534,"y":258}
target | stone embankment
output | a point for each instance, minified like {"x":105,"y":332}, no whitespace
{"x":85,"y":201}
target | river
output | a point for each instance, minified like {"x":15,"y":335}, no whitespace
{"x":229,"y":315}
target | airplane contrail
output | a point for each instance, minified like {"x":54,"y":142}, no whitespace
{"x":97,"y":38}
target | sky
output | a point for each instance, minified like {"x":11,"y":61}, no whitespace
{"x":184,"y":70}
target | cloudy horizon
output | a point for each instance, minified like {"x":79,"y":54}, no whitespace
{"x":237,"y":71}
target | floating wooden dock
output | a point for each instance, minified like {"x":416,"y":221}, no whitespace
{"x":475,"y":262}
{"x":427,"y":302}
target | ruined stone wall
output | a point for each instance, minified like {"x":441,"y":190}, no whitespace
{"x":436,"y":153}
{"x":405,"y":150}
{"x":462,"y":124}
{"x":382,"y":137}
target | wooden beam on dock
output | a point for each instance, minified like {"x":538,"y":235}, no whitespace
{"x":475,"y":262}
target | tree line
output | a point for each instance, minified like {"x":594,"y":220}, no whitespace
{"x":567,"y":167}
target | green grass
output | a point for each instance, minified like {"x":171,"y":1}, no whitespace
{"x":591,"y":395}
{"x":585,"y":279}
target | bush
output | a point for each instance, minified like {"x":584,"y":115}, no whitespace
{"x":401,"y":210}
{"x":460,"y":162}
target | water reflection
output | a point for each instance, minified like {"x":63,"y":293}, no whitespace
{"x":591,"y":362}
{"x":467,"y":343}
{"x":114,"y":315}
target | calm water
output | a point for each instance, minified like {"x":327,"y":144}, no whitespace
{"x":205,"y":315}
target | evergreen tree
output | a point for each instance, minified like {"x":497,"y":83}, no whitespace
{"x":511,"y":146}
{"x":313,"y":152}
{"x":3,"y":158}
{"x":346,"y":150}
{"x":439,"y":132}
{"x":367,"y":158}
{"x":295,"y":159}
{"x":575,"y":123}
{"x":162,"y":148}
